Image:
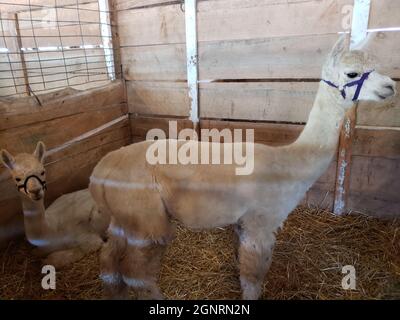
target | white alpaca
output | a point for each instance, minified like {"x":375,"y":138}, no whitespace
{"x":141,"y":197}
{"x":69,"y":228}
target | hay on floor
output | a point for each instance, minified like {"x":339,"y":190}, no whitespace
{"x":311,"y":250}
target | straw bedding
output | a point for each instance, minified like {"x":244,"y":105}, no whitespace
{"x":311,"y":249}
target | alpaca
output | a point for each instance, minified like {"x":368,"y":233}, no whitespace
{"x":142,"y":198}
{"x":69,"y":228}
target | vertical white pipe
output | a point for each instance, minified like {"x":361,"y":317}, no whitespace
{"x":359,"y":26}
{"x":106,"y":35}
{"x":192,"y":58}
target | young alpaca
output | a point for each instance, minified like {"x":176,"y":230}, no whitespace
{"x":141,"y":197}
{"x":70,"y":228}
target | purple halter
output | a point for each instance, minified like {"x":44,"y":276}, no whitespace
{"x":359,"y":83}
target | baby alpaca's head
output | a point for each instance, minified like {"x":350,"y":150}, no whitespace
{"x":27,"y":171}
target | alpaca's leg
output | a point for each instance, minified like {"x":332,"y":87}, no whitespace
{"x":256,"y":243}
{"x":62,"y":258}
{"x":91,"y":243}
{"x":140,"y":268}
{"x":110,"y":255}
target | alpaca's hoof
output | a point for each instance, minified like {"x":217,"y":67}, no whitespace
{"x":150,"y":294}
{"x":250,"y":291}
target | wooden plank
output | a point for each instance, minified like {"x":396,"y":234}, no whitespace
{"x":57,"y":169}
{"x":373,"y":206}
{"x":281,"y":57}
{"x":158,"y":98}
{"x":154,"y":62}
{"x":24,"y":111}
{"x":377,"y":142}
{"x":140,"y":125}
{"x":224,"y":20}
{"x":384,"y":114}
{"x":384,"y":14}
{"x":272,"y":101}
{"x":376,"y":177}
{"x":267,"y":133}
{"x":286,"y":57}
{"x":129,"y":4}
{"x":273,"y":134}
{"x":24,"y":139}
{"x":383,"y":48}
{"x":158,"y":25}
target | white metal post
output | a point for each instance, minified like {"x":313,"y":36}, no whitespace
{"x":192,"y":59}
{"x":106,"y":35}
{"x":359,"y":26}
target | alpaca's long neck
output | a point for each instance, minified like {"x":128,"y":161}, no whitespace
{"x":318,"y":142}
{"x":36,"y":227}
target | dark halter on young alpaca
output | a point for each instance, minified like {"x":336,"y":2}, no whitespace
{"x":359,"y":83}
{"x":24,"y":185}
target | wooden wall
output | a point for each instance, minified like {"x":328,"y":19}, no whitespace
{"x":65,"y":115}
{"x":259,"y":67}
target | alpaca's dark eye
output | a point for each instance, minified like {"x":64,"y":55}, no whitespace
{"x":42,"y":174}
{"x":352,"y":75}
{"x":18,"y":179}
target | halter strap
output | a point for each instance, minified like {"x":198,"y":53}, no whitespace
{"x":24,"y":185}
{"x":359,"y":83}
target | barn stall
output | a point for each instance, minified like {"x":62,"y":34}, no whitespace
{"x":89,"y":77}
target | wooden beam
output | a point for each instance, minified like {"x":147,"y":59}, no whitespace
{"x":358,"y":33}
{"x":344,"y":162}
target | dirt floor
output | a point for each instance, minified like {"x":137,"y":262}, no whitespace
{"x":311,"y":250}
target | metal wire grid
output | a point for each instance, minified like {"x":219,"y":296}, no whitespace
{"x":30,"y":73}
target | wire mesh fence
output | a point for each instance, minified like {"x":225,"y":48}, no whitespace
{"x":52,"y":44}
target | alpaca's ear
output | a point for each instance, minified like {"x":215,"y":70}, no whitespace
{"x":40,"y":151}
{"x":339,"y":48}
{"x":7,"y":159}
